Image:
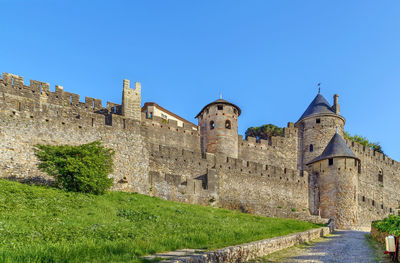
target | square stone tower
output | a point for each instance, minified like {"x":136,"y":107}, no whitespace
{"x":131,"y":100}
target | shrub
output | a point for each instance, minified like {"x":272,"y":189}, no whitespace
{"x":82,"y":168}
{"x":390,"y":224}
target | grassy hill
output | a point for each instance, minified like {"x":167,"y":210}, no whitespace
{"x":39,"y":224}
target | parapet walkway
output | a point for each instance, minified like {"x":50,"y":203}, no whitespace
{"x":342,"y":246}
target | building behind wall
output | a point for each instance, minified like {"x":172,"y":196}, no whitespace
{"x":308,"y":172}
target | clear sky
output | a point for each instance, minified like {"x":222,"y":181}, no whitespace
{"x":265,"y":56}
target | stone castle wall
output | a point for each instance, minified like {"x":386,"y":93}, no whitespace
{"x":29,"y":116}
{"x":376,"y":199}
{"x":278,"y":151}
{"x":219,"y":180}
{"x":152,"y":156}
{"x":159,"y":158}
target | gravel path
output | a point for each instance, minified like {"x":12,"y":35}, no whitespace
{"x":342,"y":246}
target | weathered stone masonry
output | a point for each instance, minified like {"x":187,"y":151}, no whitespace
{"x":212,"y":165}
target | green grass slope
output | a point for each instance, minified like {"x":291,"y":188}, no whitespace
{"x":39,"y":224}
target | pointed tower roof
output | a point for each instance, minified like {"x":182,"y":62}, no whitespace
{"x":318,"y":106}
{"x":337,"y":147}
{"x":220,"y":101}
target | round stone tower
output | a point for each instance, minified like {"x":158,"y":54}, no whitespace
{"x":336,"y":170}
{"x":316,"y":127}
{"x":218,"y":123}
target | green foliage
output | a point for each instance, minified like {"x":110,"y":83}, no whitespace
{"x":264,"y":132}
{"x":363,"y":141}
{"x":41,"y":224}
{"x":83,"y":168}
{"x":390,"y":224}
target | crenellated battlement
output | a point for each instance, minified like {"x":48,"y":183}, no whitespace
{"x":40,"y":92}
{"x":227,"y":164}
{"x":366,"y":152}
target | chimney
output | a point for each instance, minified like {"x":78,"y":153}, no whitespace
{"x":336,"y":106}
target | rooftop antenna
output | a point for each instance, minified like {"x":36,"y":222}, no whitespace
{"x":220,"y":95}
{"x":319,"y":87}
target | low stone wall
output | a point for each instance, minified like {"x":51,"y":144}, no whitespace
{"x":380,"y":237}
{"x":248,"y":251}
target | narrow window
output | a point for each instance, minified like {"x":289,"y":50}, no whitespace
{"x":311,"y":148}
{"x":220,"y":107}
{"x":228,"y":124}
{"x":391,"y":210}
{"x":92,"y":122}
{"x":124,"y":123}
{"x":363,"y":198}
{"x":207,"y":111}
{"x":330,"y":161}
{"x":212,"y":125}
{"x":108,"y":120}
{"x":235,"y":111}
{"x":380,"y":176}
{"x":381,"y":206}
{"x":318,"y":120}
{"x":373,"y":202}
{"x":151,"y":115}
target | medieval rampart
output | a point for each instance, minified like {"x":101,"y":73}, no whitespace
{"x":29,"y":116}
{"x":279,"y":151}
{"x":378,"y":184}
{"x":181,"y":175}
{"x":152,"y":156}
{"x":159,"y":158}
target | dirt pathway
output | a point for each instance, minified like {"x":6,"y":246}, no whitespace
{"x":342,"y":246}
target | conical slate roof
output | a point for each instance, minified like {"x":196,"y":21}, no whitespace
{"x":337,"y":147}
{"x":318,"y":105}
{"x":220,"y":101}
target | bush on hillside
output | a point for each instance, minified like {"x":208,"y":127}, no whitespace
{"x":84,"y":168}
{"x":390,"y":224}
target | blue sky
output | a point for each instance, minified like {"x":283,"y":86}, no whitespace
{"x":265,"y":56}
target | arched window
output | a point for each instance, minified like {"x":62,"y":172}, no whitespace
{"x":311,"y":148}
{"x":212,"y":125}
{"x":228,"y":124}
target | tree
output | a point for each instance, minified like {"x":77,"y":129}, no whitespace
{"x":364,"y":141}
{"x":83,"y":168}
{"x":264,"y":132}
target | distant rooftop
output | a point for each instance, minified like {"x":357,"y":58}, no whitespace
{"x":318,"y":106}
{"x":220,"y":101}
{"x":337,"y":147}
{"x":147,"y":104}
